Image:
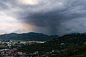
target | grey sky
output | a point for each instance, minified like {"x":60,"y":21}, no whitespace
{"x":52,"y":17}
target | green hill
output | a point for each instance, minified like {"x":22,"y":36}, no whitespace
{"x":27,"y":36}
{"x":71,"y":52}
{"x":61,"y":43}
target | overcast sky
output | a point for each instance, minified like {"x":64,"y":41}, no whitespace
{"x":51,"y":17}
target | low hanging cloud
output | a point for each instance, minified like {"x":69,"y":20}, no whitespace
{"x":48,"y":17}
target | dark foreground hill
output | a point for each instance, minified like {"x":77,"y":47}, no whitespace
{"x":61,"y":43}
{"x":27,"y":36}
{"x":73,"y":52}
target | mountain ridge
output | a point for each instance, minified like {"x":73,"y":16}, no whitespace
{"x":28,"y":36}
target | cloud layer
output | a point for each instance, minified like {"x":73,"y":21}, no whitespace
{"x":48,"y":17}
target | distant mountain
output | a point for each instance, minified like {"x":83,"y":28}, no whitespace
{"x":43,"y":35}
{"x":28,"y":36}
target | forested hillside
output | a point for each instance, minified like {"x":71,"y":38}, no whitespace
{"x":61,"y":43}
{"x":28,"y":36}
{"x":71,"y":52}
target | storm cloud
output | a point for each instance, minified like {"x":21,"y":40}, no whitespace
{"x":56,"y":17}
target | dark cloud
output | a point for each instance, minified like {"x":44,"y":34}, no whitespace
{"x":56,"y":16}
